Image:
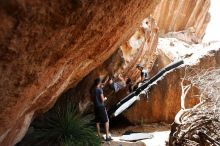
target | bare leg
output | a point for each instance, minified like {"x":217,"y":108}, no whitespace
{"x":98,"y":129}
{"x":107,"y":129}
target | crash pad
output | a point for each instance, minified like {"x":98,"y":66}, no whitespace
{"x":136,"y":136}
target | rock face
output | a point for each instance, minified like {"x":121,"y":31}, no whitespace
{"x":163,"y":100}
{"x":47,"y":46}
{"x":188,"y":21}
{"x":140,"y":48}
{"x":173,"y":15}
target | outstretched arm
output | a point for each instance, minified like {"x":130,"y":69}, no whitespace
{"x":121,"y":78}
{"x":105,"y":82}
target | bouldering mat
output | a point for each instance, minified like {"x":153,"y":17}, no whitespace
{"x":136,"y":136}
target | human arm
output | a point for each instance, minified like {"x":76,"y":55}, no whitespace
{"x":105,"y":82}
{"x":121,"y":78}
{"x":142,"y":78}
{"x":103,"y":98}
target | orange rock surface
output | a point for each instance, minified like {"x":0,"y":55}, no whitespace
{"x":140,"y":48}
{"x":163,"y":100}
{"x":46,"y":46}
{"x":173,"y":15}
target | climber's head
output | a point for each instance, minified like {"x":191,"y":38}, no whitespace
{"x":110,"y":79}
{"x":97,"y":82}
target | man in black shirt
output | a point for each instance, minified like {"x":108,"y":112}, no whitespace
{"x":99,"y":108}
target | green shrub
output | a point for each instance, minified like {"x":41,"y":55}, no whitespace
{"x":64,"y":127}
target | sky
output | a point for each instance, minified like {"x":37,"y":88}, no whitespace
{"x":213,"y":29}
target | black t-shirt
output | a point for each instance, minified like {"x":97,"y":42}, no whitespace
{"x":97,"y":97}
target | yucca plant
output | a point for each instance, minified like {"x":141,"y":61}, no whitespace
{"x":64,"y":127}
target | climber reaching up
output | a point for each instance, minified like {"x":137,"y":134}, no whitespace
{"x":117,"y":85}
{"x":120,"y":84}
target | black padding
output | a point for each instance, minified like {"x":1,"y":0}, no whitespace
{"x":173,"y":65}
{"x":116,"y":106}
{"x":146,"y":84}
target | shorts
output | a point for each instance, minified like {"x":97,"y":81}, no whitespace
{"x":101,"y":115}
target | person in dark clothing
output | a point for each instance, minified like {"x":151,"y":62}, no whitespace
{"x":144,"y":74}
{"x":121,"y":83}
{"x":129,"y":84}
{"x":99,"y":108}
{"x":117,"y":85}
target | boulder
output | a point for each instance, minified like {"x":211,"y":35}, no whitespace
{"x":49,"y":46}
{"x":163,"y":99}
{"x":173,"y":16}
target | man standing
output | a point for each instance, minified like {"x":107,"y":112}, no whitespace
{"x":99,"y":108}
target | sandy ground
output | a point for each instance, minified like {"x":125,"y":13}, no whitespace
{"x":159,"y":131}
